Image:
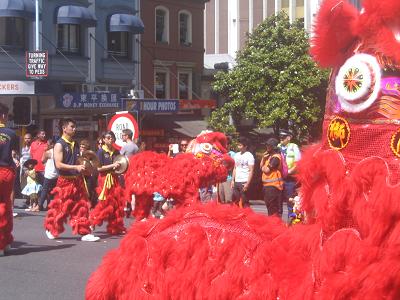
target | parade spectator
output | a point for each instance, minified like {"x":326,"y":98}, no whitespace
{"x":16,"y":192}
{"x":25,"y":155}
{"x":292,"y":155}
{"x":99,"y":142}
{"x":129,"y":148}
{"x":271,"y":168}
{"x":224,"y":189}
{"x":38,"y":147}
{"x":7,"y":175}
{"x":158,"y":202}
{"x":83,"y":146}
{"x":33,"y":187}
{"x":50,"y":175}
{"x":242,"y":173}
{"x":70,"y":188}
{"x":182,"y":148}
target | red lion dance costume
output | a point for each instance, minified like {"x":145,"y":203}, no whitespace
{"x":349,"y":246}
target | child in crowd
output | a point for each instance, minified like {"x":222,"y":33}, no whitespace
{"x":33,"y":187}
{"x":157,"y":206}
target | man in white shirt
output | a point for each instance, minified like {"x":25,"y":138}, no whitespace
{"x":242,"y":173}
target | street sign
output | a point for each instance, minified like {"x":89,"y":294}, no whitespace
{"x":36,"y":63}
{"x":119,"y":122}
{"x":89,"y":100}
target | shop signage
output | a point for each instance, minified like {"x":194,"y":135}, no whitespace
{"x":152,"y":105}
{"x":152,"y":132}
{"x":197,"y":104}
{"x":36,"y":63}
{"x":17,"y":87}
{"x":89,"y":100}
{"x":119,"y":122}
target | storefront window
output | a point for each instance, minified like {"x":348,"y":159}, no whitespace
{"x":160,"y":85}
{"x":118,"y":44}
{"x":12,"y":33}
{"x":183,"y":86}
{"x":68,"y":38}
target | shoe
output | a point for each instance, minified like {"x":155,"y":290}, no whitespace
{"x":28,"y":209}
{"x":49,"y":235}
{"x":2,"y":253}
{"x":89,"y":238}
{"x":15,"y":214}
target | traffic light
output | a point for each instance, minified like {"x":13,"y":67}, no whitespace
{"x":22,"y":111}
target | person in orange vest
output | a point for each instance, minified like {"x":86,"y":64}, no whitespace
{"x":272,"y":179}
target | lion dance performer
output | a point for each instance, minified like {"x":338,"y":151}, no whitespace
{"x":71,"y":197}
{"x":110,"y":206}
{"x":8,"y":143}
{"x":349,"y":244}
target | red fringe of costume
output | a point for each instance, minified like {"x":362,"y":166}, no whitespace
{"x":179,"y":178}
{"x":7,"y":176}
{"x":70,"y":200}
{"x":350,"y":248}
{"x":111,"y":209}
{"x":333,"y":38}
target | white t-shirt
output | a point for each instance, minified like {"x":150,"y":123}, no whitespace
{"x":50,"y":171}
{"x":242,"y":163}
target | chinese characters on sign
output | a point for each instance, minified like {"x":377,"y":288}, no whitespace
{"x":36,"y":63}
{"x":89,"y":100}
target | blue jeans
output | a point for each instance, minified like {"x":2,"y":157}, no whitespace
{"x":48,"y":186}
{"x":289,"y":191}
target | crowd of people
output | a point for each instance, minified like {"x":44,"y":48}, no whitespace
{"x":45,"y":171}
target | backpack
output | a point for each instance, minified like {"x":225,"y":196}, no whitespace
{"x":284,"y":166}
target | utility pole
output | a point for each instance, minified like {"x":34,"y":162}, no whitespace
{"x":37,"y":44}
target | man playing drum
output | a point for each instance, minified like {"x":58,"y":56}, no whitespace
{"x":70,"y":194}
{"x":110,"y":206}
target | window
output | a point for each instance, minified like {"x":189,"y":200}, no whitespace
{"x":160,"y":85}
{"x":185,"y":85}
{"x":285,"y":6}
{"x":68,"y":39}
{"x":299,"y":9}
{"x":12,"y":33}
{"x":185,"y":28}
{"x":162,"y":28}
{"x":118,"y":44}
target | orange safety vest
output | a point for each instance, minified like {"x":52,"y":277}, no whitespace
{"x":273,"y":178}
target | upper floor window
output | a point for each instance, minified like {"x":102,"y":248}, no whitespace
{"x":185,"y":28}
{"x":118,"y":44}
{"x":185,"y":85}
{"x":12,"y":33}
{"x":68,"y":38}
{"x":162,"y":28}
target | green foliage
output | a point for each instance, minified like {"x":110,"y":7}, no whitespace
{"x":275,"y":80}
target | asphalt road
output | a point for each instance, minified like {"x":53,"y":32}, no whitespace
{"x":39,"y":268}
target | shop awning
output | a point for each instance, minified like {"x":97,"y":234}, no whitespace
{"x":191,"y":128}
{"x":126,"y":23}
{"x":17,"y":8}
{"x":79,"y":15}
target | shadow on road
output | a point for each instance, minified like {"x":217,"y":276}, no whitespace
{"x":19,"y":248}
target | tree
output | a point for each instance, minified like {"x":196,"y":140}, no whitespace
{"x":275,"y":81}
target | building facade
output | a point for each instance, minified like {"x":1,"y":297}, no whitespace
{"x":172,"y":48}
{"x":92,"y":59}
{"x":227,"y":22}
